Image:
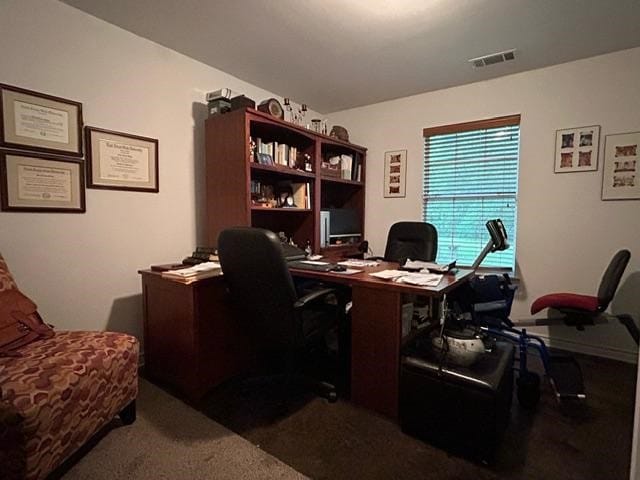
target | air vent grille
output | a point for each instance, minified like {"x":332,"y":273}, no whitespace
{"x":493,"y":58}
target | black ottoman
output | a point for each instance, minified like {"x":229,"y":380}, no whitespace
{"x":463,"y":410}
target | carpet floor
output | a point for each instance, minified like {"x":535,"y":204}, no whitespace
{"x":170,"y":440}
{"x":591,"y":440}
{"x":298,"y":435}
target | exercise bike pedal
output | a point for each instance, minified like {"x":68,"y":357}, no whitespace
{"x":566,"y":379}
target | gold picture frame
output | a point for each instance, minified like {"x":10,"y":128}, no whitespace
{"x":39,"y":122}
{"x":121,"y":161}
{"x":35,"y":182}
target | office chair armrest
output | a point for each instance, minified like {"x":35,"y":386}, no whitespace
{"x":314,"y":295}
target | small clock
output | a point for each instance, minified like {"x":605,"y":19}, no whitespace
{"x":272,"y":107}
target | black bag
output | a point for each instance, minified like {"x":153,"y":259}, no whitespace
{"x":487,"y":299}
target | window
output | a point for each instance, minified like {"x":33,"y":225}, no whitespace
{"x":471,"y":176}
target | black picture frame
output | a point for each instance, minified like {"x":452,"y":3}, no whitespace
{"x":121,"y":161}
{"x":38,"y":182}
{"x":39,"y":122}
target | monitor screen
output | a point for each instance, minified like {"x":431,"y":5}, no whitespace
{"x":344,"y":221}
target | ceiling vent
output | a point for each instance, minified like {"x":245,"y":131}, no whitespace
{"x":493,"y":58}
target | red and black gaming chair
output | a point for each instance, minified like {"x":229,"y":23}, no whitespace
{"x":580,"y":310}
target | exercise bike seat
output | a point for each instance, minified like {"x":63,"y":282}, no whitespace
{"x":561,"y":301}
{"x":580,"y":310}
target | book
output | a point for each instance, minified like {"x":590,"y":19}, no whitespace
{"x":299,"y":194}
{"x":346,"y":162}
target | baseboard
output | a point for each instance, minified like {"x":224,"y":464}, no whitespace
{"x":628,"y":356}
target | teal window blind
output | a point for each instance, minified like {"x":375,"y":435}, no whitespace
{"x":471,"y":176}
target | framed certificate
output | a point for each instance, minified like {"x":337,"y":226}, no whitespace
{"x":34,"y":121}
{"x":121,"y":161}
{"x":41,"y":183}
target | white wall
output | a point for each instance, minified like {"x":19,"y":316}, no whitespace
{"x":566,"y":234}
{"x":81,"y":269}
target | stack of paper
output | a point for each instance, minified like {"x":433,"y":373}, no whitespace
{"x":402,"y":276}
{"x":430,"y":266}
{"x":358,"y":263}
{"x":196,"y":272}
{"x":421,"y":279}
{"x":388,"y":274}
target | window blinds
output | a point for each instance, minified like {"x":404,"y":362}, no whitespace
{"x":470,"y":177}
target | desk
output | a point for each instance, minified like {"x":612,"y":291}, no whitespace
{"x":192,"y":342}
{"x":376,"y":333}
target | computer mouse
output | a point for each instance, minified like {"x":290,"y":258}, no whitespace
{"x":338,"y":268}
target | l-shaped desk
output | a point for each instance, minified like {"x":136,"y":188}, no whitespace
{"x":193,"y":343}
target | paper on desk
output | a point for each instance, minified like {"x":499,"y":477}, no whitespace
{"x":421,"y":279}
{"x":358,"y":263}
{"x":195,"y":269}
{"x":348,"y":271}
{"x":431,"y":266}
{"x":314,"y":262}
{"x":388,"y":274}
{"x":196,"y":272}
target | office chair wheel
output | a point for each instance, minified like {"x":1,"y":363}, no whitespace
{"x":528,"y":389}
{"x":332,"y":397}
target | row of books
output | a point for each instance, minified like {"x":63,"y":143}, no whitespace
{"x":350,"y":166}
{"x":284,"y":194}
{"x":274,"y":153}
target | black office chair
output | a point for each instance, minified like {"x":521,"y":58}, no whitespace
{"x":261,"y":286}
{"x":411,"y":240}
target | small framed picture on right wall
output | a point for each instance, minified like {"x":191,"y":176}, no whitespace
{"x":621,"y":173}
{"x":577,"y":149}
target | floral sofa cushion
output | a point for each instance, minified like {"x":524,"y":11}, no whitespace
{"x":58,"y":393}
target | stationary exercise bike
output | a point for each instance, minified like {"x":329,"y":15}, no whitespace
{"x":487,"y":301}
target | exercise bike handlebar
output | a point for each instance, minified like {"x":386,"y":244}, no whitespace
{"x":497,"y":242}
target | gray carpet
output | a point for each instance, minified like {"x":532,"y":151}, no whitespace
{"x":171,"y":440}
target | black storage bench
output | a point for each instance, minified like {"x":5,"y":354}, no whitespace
{"x":463,"y":410}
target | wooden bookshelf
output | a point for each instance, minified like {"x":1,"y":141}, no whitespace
{"x":235,"y":178}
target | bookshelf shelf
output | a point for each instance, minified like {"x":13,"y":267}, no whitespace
{"x":342,"y":180}
{"x":280,"y":210}
{"x":235,"y":181}
{"x":282,"y":170}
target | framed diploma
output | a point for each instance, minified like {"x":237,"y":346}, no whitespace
{"x":41,"y":183}
{"x":34,"y":121}
{"x":120,"y":161}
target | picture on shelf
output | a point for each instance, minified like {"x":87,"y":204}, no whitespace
{"x":264,"y":159}
{"x":577,"y":149}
